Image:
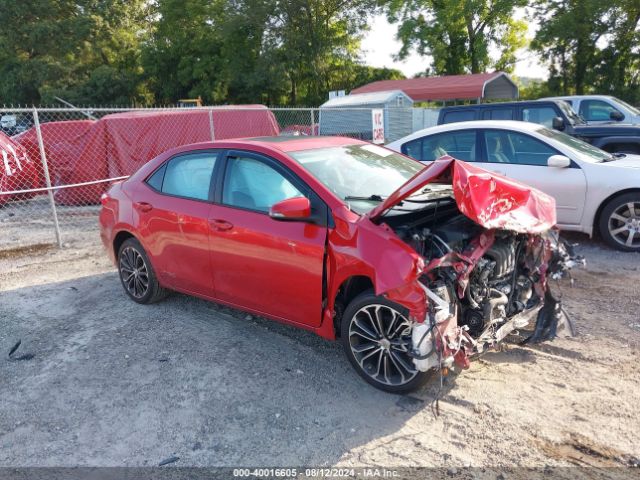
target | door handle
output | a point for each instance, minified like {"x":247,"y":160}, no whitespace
{"x":220,"y":225}
{"x":143,"y":206}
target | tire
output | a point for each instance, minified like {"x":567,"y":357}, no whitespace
{"x":380,"y":358}
{"x":619,"y":222}
{"x":136,"y":274}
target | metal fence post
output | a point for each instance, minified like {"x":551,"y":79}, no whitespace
{"x":213,"y":133}
{"x":313,"y":119}
{"x":45,"y":169}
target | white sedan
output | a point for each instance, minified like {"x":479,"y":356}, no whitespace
{"x":595,"y":191}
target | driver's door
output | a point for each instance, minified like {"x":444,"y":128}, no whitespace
{"x":268,"y":266}
{"x":524,"y":158}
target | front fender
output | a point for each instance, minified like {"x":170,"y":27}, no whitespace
{"x":358,"y":247}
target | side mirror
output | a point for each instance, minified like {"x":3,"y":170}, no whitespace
{"x":557,"y":123}
{"x":558,"y":161}
{"x":298,"y":208}
{"x":616,"y":116}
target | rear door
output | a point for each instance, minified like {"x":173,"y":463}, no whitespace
{"x":524,"y":158}
{"x":270,"y":266}
{"x":542,"y":115}
{"x":173,"y":212}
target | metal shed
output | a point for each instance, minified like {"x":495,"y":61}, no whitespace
{"x":351,"y":115}
{"x":478,"y":86}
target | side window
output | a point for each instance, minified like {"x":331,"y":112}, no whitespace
{"x":252,"y":184}
{"x":460,"y":116}
{"x":189,"y":175}
{"x":460,"y":145}
{"x":413,"y":149}
{"x":596,"y":110}
{"x":542,"y":115}
{"x":516,"y":148}
{"x":501,"y":114}
{"x":155,"y":180}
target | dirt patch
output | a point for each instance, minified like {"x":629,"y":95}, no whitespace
{"x":113,"y":383}
{"x":26,"y":250}
{"x":583,"y":451}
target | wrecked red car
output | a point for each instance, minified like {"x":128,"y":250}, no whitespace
{"x":414,"y":268}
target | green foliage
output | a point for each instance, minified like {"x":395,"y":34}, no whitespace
{"x":533,"y":89}
{"x":268,"y":51}
{"x":590,"y":45}
{"x":69,"y":48}
{"x":458,"y":34}
{"x":294,"y":52}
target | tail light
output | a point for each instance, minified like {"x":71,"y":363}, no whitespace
{"x":104,"y":198}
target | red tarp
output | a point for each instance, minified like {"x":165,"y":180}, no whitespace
{"x":119,"y":144}
{"x":487,"y":198}
{"x":17,"y":170}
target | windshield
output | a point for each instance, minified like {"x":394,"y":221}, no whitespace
{"x":631,"y":108}
{"x":589,"y":152}
{"x":361,"y":175}
{"x":570,"y":112}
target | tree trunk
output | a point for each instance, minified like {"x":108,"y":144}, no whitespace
{"x":293,"y":97}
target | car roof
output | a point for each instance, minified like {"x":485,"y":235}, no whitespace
{"x":563,"y":97}
{"x":293,"y":143}
{"x":498,"y":104}
{"x":449,"y":127}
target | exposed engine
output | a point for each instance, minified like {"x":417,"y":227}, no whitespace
{"x":479,"y":292}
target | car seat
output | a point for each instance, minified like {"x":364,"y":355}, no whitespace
{"x":496,"y":154}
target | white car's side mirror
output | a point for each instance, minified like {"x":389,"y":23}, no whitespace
{"x":559,"y":161}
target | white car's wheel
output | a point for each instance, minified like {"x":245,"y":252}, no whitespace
{"x":620,"y":222}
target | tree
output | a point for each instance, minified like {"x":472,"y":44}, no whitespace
{"x":568,"y":37}
{"x":68,"y":48}
{"x":458,"y":34}
{"x":272,"y":51}
{"x":317,"y":40}
{"x":618,"y":71}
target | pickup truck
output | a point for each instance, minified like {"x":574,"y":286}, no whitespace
{"x":557,"y":114}
{"x":601,"y":108}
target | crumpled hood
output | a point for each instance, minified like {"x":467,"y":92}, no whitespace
{"x":489,"y":199}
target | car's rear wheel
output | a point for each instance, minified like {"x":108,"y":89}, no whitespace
{"x":136,"y":273}
{"x":376,"y":337}
{"x":619,"y":222}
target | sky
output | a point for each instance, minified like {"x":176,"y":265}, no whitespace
{"x":380,"y":45}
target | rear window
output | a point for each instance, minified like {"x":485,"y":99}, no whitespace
{"x":459,"y":116}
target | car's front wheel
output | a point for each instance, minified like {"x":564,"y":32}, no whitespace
{"x":376,"y":337}
{"x":619,"y":222}
{"x":137,"y":275}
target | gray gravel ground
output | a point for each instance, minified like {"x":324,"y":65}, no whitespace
{"x":113,"y":383}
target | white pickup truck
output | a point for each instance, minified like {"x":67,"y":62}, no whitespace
{"x":601,"y":108}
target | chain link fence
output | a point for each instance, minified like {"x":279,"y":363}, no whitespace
{"x":55,"y":163}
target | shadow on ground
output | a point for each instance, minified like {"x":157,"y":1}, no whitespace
{"x":116,"y":383}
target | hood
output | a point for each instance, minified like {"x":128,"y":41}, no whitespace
{"x":489,"y":199}
{"x":629,"y":161}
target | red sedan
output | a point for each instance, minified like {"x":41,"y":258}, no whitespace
{"x":413,"y":269}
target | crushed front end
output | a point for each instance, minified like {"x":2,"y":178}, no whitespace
{"x":487,"y":254}
{"x":480,"y":293}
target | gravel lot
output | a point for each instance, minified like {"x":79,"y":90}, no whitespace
{"x":113,"y":383}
